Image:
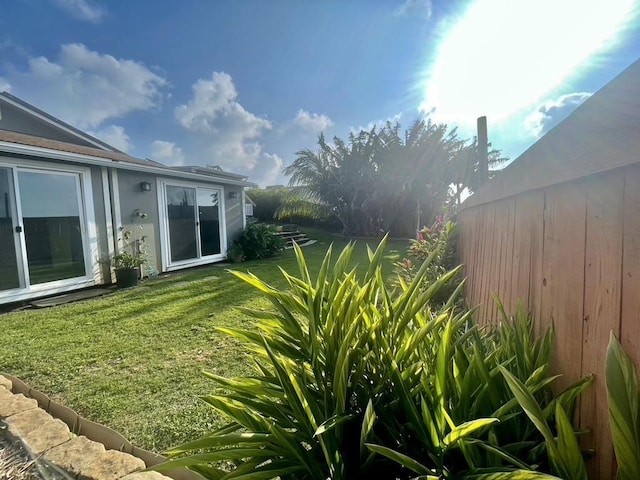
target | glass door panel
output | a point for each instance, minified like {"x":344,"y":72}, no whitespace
{"x":181,"y":211}
{"x":9,"y":276}
{"x":209,"y":219}
{"x":50,"y":205}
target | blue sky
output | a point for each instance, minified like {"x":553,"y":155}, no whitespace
{"x":244,"y":84}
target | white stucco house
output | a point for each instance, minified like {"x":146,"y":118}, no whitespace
{"x":66,"y":198}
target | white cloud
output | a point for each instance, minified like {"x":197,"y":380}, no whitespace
{"x":267,"y":170}
{"x":86,"y":88}
{"x":167,"y":152}
{"x":312,"y":122}
{"x":414,"y":7}
{"x":224,"y":133}
{"x":214,"y":106}
{"x":115,"y":136}
{"x":553,"y":111}
{"x":5,"y":86}
{"x":86,"y":10}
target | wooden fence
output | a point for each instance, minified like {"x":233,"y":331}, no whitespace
{"x":571,"y":253}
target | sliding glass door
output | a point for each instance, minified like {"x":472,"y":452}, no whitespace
{"x":9,"y":253}
{"x":52,"y":225}
{"x":193,"y":225}
{"x":42,"y":228}
{"x":209,"y":221}
{"x":181,"y":212}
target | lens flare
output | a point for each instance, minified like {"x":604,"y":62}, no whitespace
{"x":503,"y":56}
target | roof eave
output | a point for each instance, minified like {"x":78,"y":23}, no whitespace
{"x":56,"y":122}
{"x":20,"y":149}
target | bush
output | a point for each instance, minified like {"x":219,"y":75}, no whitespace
{"x":267,"y":202}
{"x":353,"y":380}
{"x":257,"y":241}
{"x":439,"y":240}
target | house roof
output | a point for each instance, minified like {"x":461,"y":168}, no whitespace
{"x":23,"y":139}
{"x":209,"y":170}
{"x":19,"y":143}
{"x":55,"y":122}
{"x":601,"y":134}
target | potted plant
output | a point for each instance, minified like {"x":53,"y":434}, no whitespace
{"x":126,"y":266}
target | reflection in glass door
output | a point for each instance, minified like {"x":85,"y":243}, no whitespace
{"x":50,"y":205}
{"x":42,"y":237}
{"x":209,"y":219}
{"x":193,"y":220}
{"x":181,"y":211}
{"x":9,"y":275}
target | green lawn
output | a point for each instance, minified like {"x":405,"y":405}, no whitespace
{"x":132,"y":360}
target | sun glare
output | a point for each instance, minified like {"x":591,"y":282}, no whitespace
{"x":502,"y":56}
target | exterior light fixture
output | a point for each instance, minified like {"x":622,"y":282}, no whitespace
{"x":233,"y":194}
{"x":145,"y":186}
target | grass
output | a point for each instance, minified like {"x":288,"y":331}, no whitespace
{"x":132,"y":360}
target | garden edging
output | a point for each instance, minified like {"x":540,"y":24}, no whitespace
{"x":59,"y":436}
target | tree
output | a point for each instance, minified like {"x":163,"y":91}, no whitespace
{"x":381,"y":180}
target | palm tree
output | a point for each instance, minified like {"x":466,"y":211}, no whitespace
{"x":415,"y":169}
{"x":382,"y":180}
{"x":334,"y":180}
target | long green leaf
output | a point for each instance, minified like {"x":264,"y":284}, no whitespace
{"x":467,"y":428}
{"x":568,"y":446}
{"x":515,"y":475}
{"x":217,"y":456}
{"x":624,"y":410}
{"x":214,"y":441}
{"x":402,"y":459}
{"x":368,"y":422}
{"x":530,"y":407}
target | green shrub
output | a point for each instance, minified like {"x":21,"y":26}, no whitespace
{"x":353,"y":380}
{"x":439,"y":239}
{"x":257,"y":241}
{"x":236,"y":253}
{"x":267,"y":201}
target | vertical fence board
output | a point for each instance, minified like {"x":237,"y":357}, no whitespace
{"x":521,"y":273}
{"x":527,"y":251}
{"x":498,"y":240}
{"x":630,"y":305}
{"x":601,"y":308}
{"x":494,"y":259}
{"x":479,"y":252}
{"x":470,"y":226}
{"x":507,"y":258}
{"x":536,"y":260}
{"x":496,"y":254}
{"x":487,"y":265}
{"x":563,"y":277}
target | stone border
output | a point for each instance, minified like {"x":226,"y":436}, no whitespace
{"x":29,"y":416}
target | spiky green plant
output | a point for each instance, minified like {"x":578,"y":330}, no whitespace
{"x":469,"y":390}
{"x":624,"y":409}
{"x":353,"y":379}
